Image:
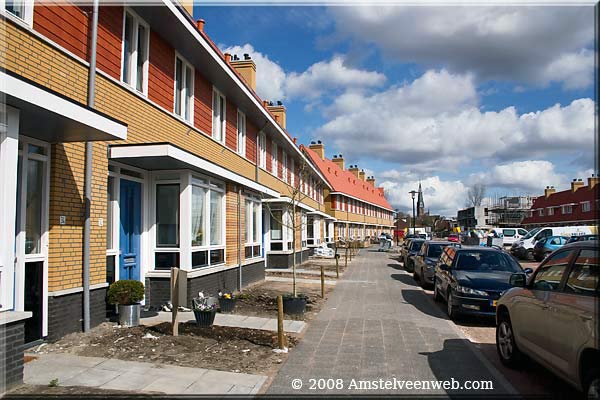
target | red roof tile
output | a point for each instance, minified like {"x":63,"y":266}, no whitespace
{"x":346,"y":182}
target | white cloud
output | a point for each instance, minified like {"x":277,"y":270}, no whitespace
{"x":531,"y":176}
{"x":434,"y":124}
{"x":513,"y":43}
{"x":273,"y":83}
{"x":443,"y":197}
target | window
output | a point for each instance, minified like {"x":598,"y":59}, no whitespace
{"x":567,"y":209}
{"x":20,"y":8}
{"x":548,"y":276}
{"x":293,"y":174}
{"x":310,"y":230}
{"x":198,"y":216}
{"x":241,"y":133}
{"x":216,"y":220}
{"x":550,"y":211}
{"x":253,"y":224}
{"x":184,"y":89}
{"x":110,"y":204}
{"x":586,"y":206}
{"x":583,"y":278}
{"x":274,"y":159}
{"x":218,"y":123}
{"x":304,"y":228}
{"x":207,"y":223}
{"x":262,"y":150}
{"x":167,"y":215}
{"x":284,"y":168}
{"x":136,"y":39}
{"x":541,"y":212}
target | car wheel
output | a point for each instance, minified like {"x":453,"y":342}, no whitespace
{"x":591,"y":384}
{"x":529,"y":255}
{"x":415,"y":275}
{"x":436,"y":292}
{"x":509,"y":353}
{"x":451,"y":307}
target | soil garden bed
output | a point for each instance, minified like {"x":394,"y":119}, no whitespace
{"x":59,"y":392}
{"x":220,"y":348}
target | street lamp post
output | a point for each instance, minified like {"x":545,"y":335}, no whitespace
{"x":412,"y":194}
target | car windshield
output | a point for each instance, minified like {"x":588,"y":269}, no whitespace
{"x":416,"y":245}
{"x":435,"y":250}
{"x":531,"y":233}
{"x":486,"y":261}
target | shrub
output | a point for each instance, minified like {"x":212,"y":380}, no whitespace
{"x":126,"y":292}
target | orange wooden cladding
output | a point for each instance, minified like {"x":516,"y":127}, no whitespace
{"x":202,"y":104}
{"x":110,"y":32}
{"x":161,"y":72}
{"x":66,"y":25}
{"x":251,"y":137}
{"x":231,"y":126}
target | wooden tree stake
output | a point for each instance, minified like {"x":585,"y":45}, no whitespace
{"x":280,"y":334}
{"x":322,"y":282}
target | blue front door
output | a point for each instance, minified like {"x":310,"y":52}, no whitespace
{"x":130,"y":204}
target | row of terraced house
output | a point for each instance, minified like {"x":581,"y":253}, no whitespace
{"x":151,"y":152}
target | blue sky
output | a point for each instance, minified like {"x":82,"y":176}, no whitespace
{"x":448,"y":96}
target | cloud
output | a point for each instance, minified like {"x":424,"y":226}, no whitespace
{"x":434,"y":124}
{"x":531,"y":176}
{"x":441,"y":197}
{"x":273,"y":83}
{"x":506,"y":43}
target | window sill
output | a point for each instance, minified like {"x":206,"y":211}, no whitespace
{"x":8,"y":317}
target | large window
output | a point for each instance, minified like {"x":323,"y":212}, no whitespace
{"x":218,"y":123}
{"x":284,"y":168}
{"x":262,"y":150}
{"x":281,"y":229}
{"x":208,"y":219}
{"x":21,"y":9}
{"x":313,"y":231}
{"x":304,"y":227}
{"x":184,"y":89}
{"x":548,"y":277}
{"x":293,"y":172}
{"x":241,"y":133}
{"x":584,"y":276}
{"x":253,"y":227}
{"x":167,"y":215}
{"x":586,"y":206}
{"x":136,"y":38}
{"x":567,"y":209}
{"x":274,"y":159}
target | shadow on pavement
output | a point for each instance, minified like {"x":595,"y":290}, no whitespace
{"x":396,"y":266}
{"x":406,"y":279}
{"x":419,"y":300}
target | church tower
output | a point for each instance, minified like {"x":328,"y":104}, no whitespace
{"x":420,"y":203}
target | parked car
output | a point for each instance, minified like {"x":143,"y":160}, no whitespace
{"x":545,"y":246}
{"x":510,"y":235}
{"x":553,"y":318}
{"x":425,"y":260}
{"x":471,"y":279}
{"x":411,"y":250}
{"x":523,"y":248}
{"x":582,"y":237}
{"x":453,"y":237}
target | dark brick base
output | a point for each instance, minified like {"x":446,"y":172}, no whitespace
{"x":158,"y":291}
{"x":11,"y":355}
{"x":277,"y":260}
{"x":65,"y":313}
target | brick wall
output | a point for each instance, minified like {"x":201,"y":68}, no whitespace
{"x":11,"y":355}
{"x":65,"y":313}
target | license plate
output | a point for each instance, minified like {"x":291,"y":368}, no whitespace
{"x":494,"y":303}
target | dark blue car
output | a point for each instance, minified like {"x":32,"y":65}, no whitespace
{"x":472,"y":279}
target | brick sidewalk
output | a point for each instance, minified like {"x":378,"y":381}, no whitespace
{"x":377,"y":324}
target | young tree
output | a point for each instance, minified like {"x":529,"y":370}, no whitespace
{"x":475,"y":195}
{"x":296,"y":192}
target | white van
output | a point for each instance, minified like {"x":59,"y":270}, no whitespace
{"x":523,"y":248}
{"x":510,"y":235}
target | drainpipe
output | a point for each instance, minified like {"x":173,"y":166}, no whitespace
{"x":88,"y":175}
{"x":239,"y":235}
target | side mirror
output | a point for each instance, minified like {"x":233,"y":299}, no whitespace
{"x":518,"y":280}
{"x":444,"y":267}
{"x":528,"y":271}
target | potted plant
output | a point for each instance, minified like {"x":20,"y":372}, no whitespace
{"x":205,"y":309}
{"x":226,"y":301}
{"x":293,"y":305}
{"x":127,"y":294}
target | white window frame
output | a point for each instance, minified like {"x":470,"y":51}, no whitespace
{"x":185,"y":92}
{"x":293,"y":172}
{"x":550,"y":211}
{"x":566,"y":209}
{"x":27,"y":6}
{"x":223,"y":113}
{"x":254,"y":240}
{"x":586,"y":206}
{"x":262,"y":150}
{"x":274,"y":159}
{"x":304,"y":228}
{"x":284,"y":166}
{"x":241,"y":133}
{"x":137,"y":21}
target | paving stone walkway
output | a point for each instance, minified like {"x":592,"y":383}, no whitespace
{"x":299,"y":280}
{"x":143,"y":377}
{"x":377,"y":324}
{"x":234,"y":320}
{"x":302,"y":271}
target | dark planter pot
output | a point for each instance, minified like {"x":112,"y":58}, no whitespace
{"x":226,"y":305}
{"x":294,"y":305}
{"x":205,"y":318}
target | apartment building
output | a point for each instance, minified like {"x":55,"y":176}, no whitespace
{"x":357,"y":208}
{"x":579,"y":205}
{"x":188,"y":167}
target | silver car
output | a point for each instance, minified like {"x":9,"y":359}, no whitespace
{"x":553,"y":318}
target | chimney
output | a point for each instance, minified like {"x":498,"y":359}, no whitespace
{"x":200,"y":24}
{"x":189,"y":6}
{"x":549,"y":190}
{"x":318,"y":148}
{"x":576,"y":184}
{"x":339,"y":161}
{"x":227,"y":58}
{"x":247,"y":69}
{"x":354,"y":169}
{"x":371,"y":180}
{"x":278,"y":110}
{"x":592,"y":181}
{"x":361,"y":174}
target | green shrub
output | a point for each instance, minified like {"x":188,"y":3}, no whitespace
{"x":126,"y":292}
